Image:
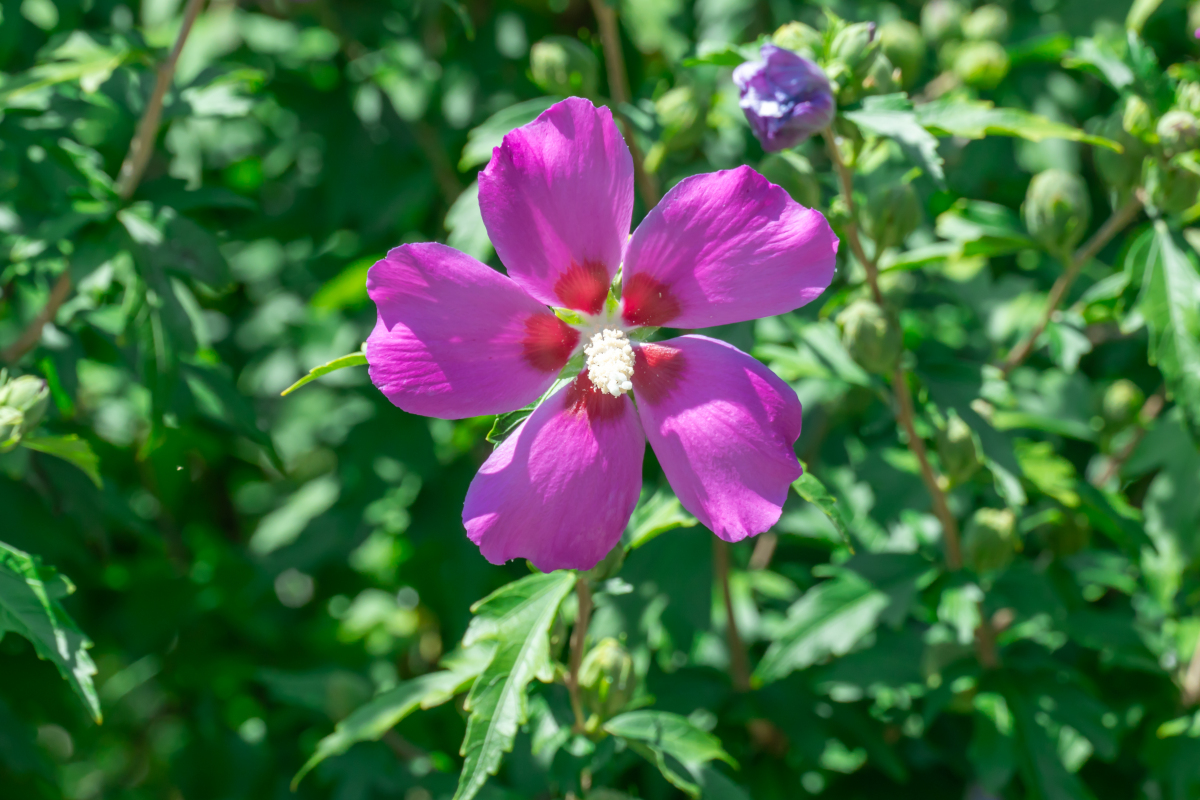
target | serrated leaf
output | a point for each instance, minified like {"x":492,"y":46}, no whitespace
{"x":903,"y":127}
{"x":341,"y":362}
{"x":69,"y":448}
{"x":661,"y":737}
{"x":812,"y":490}
{"x":829,"y":620}
{"x":979,"y":118}
{"x":661,"y":513}
{"x":517,"y":617}
{"x":488,"y":135}
{"x":384,"y":712}
{"x":1170,"y":303}
{"x":29,"y":608}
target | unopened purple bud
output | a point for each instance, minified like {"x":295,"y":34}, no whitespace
{"x":786,"y":97}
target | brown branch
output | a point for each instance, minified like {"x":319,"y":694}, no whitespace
{"x":578,"y":642}
{"x":618,"y":88}
{"x":142,"y":146}
{"x":739,"y":661}
{"x":764,"y":550}
{"x":1150,"y":409}
{"x":33,"y":331}
{"x":847,"y":182}
{"x":1113,"y":225}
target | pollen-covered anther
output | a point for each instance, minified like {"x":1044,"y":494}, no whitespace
{"x":610,"y":362}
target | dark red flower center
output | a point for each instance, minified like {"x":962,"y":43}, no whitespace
{"x":583,"y":287}
{"x":657,"y":370}
{"x":584,"y":398}
{"x":648,"y":302}
{"x":548,"y":342}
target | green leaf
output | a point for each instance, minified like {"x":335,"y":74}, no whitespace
{"x":464,"y":222}
{"x":348,"y":289}
{"x":812,"y":490}
{"x":979,"y":118}
{"x":482,"y":139}
{"x":1170,"y":303}
{"x":1102,"y":59}
{"x":1120,"y":523}
{"x":987,"y":229}
{"x":517,"y":617}
{"x":506,"y":424}
{"x":724,"y":56}
{"x":661,"y":513}
{"x":69,"y":448}
{"x":384,"y":712}
{"x":661,"y":737}
{"x":829,"y":620}
{"x":341,"y":362}
{"x":79,"y":58}
{"x":904,"y":128}
{"x":1139,"y":12}
{"x":29,"y":607}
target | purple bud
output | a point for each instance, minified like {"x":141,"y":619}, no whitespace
{"x":786,"y":97}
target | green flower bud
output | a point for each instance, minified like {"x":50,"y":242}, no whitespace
{"x":956,"y":448}
{"x":795,"y":175}
{"x":1187,"y":95}
{"x":28,"y":394}
{"x":903,"y":45}
{"x":1121,"y":170}
{"x":855,"y":46}
{"x":882,"y":77}
{"x":563,"y":65}
{"x":1178,"y":131}
{"x":892,"y":213}
{"x":11,"y":423}
{"x":1067,"y":537}
{"x":990,"y":540}
{"x":988,"y":22}
{"x":871,"y":337}
{"x":1122,"y":401}
{"x":607,"y":678}
{"x":942,"y":20}
{"x":1137,"y":118}
{"x":1057,"y":210}
{"x":1172,"y":188}
{"x":981,"y":64}
{"x":800,"y":39}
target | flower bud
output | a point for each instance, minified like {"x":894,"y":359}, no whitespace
{"x":795,"y":175}
{"x":956,"y":448}
{"x":882,"y":77}
{"x":1121,"y":403}
{"x":901,"y":42}
{"x":1171,"y":188}
{"x":893,"y":212}
{"x":1067,"y":536}
{"x":1057,"y":210}
{"x":11,"y":423}
{"x":988,"y":22}
{"x":1178,"y":131}
{"x":28,"y":394}
{"x":564,"y":65}
{"x":1137,"y":118}
{"x":1187,"y":95}
{"x":801,"y":39}
{"x":981,"y":64}
{"x":786,"y":97}
{"x":607,"y":678}
{"x":942,"y":20}
{"x":990,"y":540}
{"x":1121,"y":170}
{"x":870,"y":336}
{"x":855,"y":46}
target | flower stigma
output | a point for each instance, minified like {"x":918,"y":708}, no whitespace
{"x":610,"y":362}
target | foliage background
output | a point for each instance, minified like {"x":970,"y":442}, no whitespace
{"x":252,"y":568}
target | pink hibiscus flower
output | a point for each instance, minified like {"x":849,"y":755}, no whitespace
{"x":455,"y":338}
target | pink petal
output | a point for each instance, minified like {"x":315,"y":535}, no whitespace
{"x":557,"y":199}
{"x":560,"y":490}
{"x":454,"y":338}
{"x":723,"y":427}
{"x":725,"y":247}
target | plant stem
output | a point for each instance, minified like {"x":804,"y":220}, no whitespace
{"x":739,"y":661}
{"x":142,"y":146}
{"x":130,"y":175}
{"x":1150,"y":409}
{"x":618,"y":88}
{"x":1191,"y":679}
{"x":764,"y":550}
{"x":1113,"y":225}
{"x":578,"y":642}
{"x":905,"y":413}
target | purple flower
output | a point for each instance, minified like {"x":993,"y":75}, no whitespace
{"x":786,"y":97}
{"x":455,"y":338}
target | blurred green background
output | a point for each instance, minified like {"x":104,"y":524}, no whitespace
{"x":251,"y":568}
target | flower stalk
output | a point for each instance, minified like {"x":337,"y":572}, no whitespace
{"x":1150,"y":410}
{"x":578,"y":643}
{"x":739,"y":660}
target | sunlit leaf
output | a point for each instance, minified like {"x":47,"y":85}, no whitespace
{"x":69,"y":448}
{"x":672,"y":743}
{"x":341,"y":362}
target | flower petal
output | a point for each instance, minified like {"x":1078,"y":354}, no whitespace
{"x":557,"y":199}
{"x":560,"y":490}
{"x":454,"y":338}
{"x":725,"y":247}
{"x":723,"y":427}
